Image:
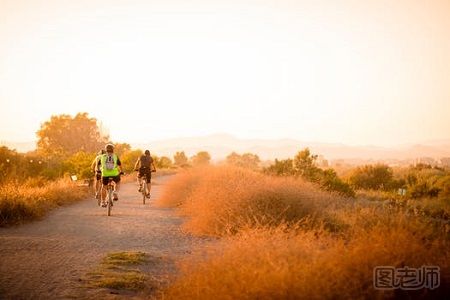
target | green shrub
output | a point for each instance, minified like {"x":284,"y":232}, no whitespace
{"x":372,"y":177}
{"x":283,"y":167}
{"x":304,"y":165}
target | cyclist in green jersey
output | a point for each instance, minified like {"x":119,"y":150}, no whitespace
{"x":111,"y":167}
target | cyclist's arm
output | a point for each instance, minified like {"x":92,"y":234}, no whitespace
{"x":137,"y":164}
{"x":94,"y":165}
{"x":154,"y":168}
{"x":119,"y":165}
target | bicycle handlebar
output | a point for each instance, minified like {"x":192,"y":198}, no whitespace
{"x":137,"y":170}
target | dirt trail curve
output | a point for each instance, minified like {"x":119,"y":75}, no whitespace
{"x":46,"y":259}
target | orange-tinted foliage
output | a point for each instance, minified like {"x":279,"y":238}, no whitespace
{"x":291,"y":264}
{"x":282,"y":247}
{"x":24,"y":201}
{"x":222,"y":200}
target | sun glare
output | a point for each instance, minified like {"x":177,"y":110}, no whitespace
{"x":352,"y":73}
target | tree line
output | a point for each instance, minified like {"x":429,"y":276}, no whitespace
{"x":68,"y":145}
{"x":418,"y":181}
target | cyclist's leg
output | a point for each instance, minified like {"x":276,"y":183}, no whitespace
{"x":98,"y":185}
{"x":116,"y":187}
{"x":148,"y":177}
{"x":139,"y":180}
{"x":95,"y":187}
{"x":99,"y":189}
{"x":103,"y":190}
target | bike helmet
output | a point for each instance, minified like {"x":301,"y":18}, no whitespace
{"x":147,"y":152}
{"x":109,"y":148}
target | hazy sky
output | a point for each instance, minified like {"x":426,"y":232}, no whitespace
{"x":355,"y":72}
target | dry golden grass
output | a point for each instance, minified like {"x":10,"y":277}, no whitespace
{"x":282,"y":246}
{"x":437,"y":207}
{"x":280,"y":264}
{"x":24,"y":201}
{"x":224,"y":200}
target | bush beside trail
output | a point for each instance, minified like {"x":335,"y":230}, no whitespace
{"x":32,"y":199}
{"x":282,"y":238}
{"x":224,"y":200}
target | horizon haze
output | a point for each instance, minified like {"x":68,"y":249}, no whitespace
{"x":219,"y":145}
{"x":354,"y":72}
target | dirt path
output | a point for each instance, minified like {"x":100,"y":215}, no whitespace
{"x":47,"y":259}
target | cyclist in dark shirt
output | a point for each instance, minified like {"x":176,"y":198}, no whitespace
{"x":145,"y":166}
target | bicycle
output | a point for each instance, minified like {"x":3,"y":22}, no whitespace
{"x":144,"y":187}
{"x":109,"y":195}
{"x":110,"y":188}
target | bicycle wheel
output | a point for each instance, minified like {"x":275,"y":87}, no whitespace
{"x":109,"y":203}
{"x":144,"y":191}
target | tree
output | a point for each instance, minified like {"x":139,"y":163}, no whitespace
{"x":428,"y":182}
{"x":246,"y":160}
{"x":79,"y":164}
{"x":304,"y":165}
{"x":163,"y":162}
{"x":9,"y":163}
{"x":233,"y":159}
{"x":121,"y":148}
{"x":283,"y":167}
{"x":65,"y":135}
{"x":329,"y":181}
{"x":180,"y":159}
{"x":372,"y":177}
{"x":250,"y":160}
{"x":128,"y":159}
{"x":14,"y":165}
{"x":201,"y":158}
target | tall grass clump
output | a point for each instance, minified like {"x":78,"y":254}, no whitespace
{"x":289,"y":263}
{"x":28,"y":200}
{"x":281,"y":238}
{"x":223,"y":200}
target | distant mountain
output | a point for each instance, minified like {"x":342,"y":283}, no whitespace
{"x":220,"y":145}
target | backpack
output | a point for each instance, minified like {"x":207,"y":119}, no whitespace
{"x":109,"y":163}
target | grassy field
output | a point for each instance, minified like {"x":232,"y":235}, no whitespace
{"x":32,"y":199}
{"x":281,"y":238}
{"x":436,"y":207}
